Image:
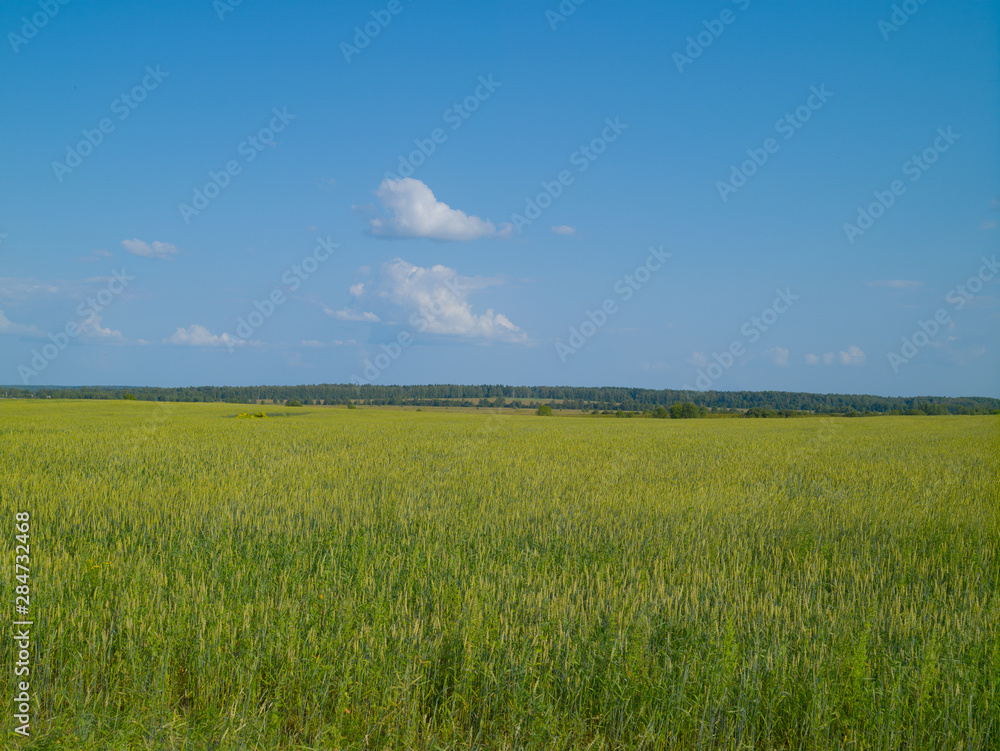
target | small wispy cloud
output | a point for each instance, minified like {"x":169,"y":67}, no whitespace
{"x":895,"y":284}
{"x":564,"y":229}
{"x":197,"y":335}
{"x":779,"y":355}
{"x":156,"y":249}
{"x":317,"y":344}
{"x":9,"y":327}
{"x":852,"y":356}
{"x":346,"y":314}
{"x":97,"y":255}
{"x":698,"y":360}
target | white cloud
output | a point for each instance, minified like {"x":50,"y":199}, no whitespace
{"x":413,"y":211}
{"x":159,"y":250}
{"x":564,"y":229}
{"x":779,"y":355}
{"x":435,"y":300}
{"x":197,"y":335}
{"x":698,"y":359}
{"x":357,"y":289}
{"x":13,"y":290}
{"x":89,"y":328}
{"x":335,"y":343}
{"x":992,"y":224}
{"x":351,"y":315}
{"x":965,"y":357}
{"x":654,"y":366}
{"x":97,"y":255}
{"x":92,"y":327}
{"x":896,"y":284}
{"x":35,"y":298}
{"x":852,"y":356}
{"x":9,"y":327}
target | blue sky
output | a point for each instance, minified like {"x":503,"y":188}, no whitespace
{"x":737,"y":140}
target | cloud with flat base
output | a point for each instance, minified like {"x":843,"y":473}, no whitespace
{"x":435,"y":300}
{"x":9,"y":327}
{"x":92,"y":327}
{"x":413,"y":211}
{"x":347,"y":314}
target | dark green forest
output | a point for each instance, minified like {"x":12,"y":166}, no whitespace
{"x":603,"y":399}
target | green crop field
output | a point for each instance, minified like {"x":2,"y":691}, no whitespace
{"x":328,"y":578}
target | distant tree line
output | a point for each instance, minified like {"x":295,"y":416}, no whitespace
{"x":603,"y":400}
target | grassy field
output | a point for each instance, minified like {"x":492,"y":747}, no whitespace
{"x":347,"y":579}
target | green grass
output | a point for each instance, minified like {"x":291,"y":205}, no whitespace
{"x":349,"y":579}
